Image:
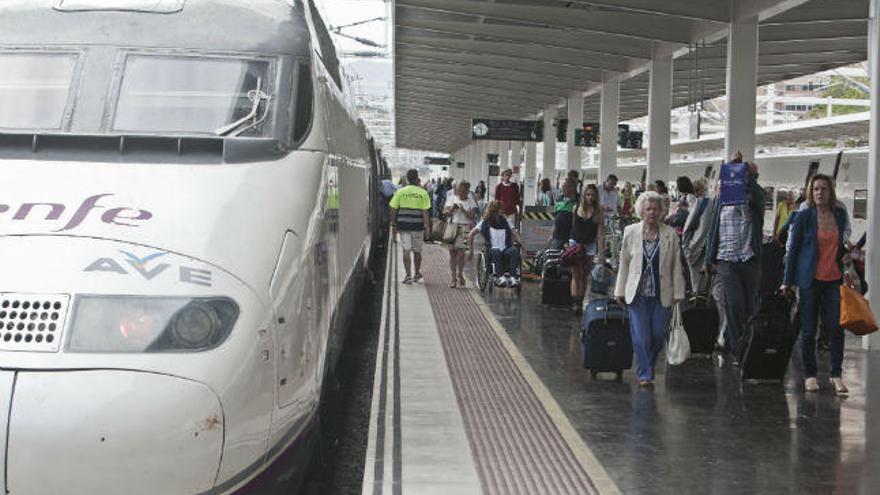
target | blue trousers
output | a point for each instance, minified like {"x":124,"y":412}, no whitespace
{"x":512,"y":255}
{"x":740,"y":282}
{"x":648,"y":320}
{"x":826,"y":295}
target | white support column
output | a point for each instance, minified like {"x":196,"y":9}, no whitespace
{"x":531,"y":173}
{"x":466,"y":155}
{"x":770,"y":108}
{"x":518,"y":157}
{"x":453,"y":158}
{"x":609,"y":110}
{"x":872,"y":247}
{"x":485,"y":149}
{"x":497,"y":147}
{"x":504,"y":151}
{"x":479,"y":160}
{"x":466,"y":158}
{"x":575,"y":121}
{"x":460,"y":156}
{"x":476,"y":163}
{"x":659,"y":116}
{"x":548,"y":166}
{"x":742,"y":86}
{"x":480,"y":169}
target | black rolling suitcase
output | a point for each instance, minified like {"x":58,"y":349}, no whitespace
{"x":699,"y":315}
{"x":772,"y":267}
{"x":606,"y":342}
{"x":768,"y":341}
{"x":555,"y":284}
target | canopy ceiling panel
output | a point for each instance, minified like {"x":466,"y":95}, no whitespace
{"x":461,"y":59}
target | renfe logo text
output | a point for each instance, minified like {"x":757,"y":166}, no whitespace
{"x":68,"y":218}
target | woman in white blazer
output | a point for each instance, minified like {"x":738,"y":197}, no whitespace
{"x":650,"y":281}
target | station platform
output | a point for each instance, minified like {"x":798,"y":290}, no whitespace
{"x":479,"y":393}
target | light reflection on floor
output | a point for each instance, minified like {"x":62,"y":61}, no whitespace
{"x":699,"y":429}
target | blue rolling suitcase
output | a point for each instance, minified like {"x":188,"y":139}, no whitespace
{"x":606,"y":342}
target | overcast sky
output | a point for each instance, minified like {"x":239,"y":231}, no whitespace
{"x":374,"y":76}
{"x":341,"y":12}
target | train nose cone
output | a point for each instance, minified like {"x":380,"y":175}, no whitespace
{"x":90,"y":432}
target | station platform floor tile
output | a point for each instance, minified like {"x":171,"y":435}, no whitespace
{"x":492,"y":398}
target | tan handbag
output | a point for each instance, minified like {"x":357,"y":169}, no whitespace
{"x":450,"y":232}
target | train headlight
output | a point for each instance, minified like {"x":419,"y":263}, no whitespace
{"x":150,"y":324}
{"x":195,"y":326}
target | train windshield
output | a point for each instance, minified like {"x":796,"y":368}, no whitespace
{"x":35,"y":89}
{"x":193,"y":95}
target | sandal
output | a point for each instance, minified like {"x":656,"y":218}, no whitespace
{"x":839,"y":387}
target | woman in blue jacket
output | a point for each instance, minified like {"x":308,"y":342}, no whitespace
{"x":814,"y":265}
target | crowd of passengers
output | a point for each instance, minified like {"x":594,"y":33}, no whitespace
{"x":668,"y":247}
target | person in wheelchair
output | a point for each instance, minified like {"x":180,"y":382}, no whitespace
{"x":502,"y":241}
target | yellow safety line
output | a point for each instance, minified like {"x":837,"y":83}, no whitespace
{"x":582,"y":452}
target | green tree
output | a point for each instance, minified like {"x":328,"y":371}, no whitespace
{"x":839,"y":87}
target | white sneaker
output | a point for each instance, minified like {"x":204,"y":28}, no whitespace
{"x":505,"y":281}
{"x":514,"y":282}
{"x":811,"y":385}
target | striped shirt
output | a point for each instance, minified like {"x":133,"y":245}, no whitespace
{"x":735,"y":234}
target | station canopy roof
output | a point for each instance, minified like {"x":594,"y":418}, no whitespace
{"x":507,"y":59}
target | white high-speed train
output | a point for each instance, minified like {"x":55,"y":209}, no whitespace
{"x":186,"y":210}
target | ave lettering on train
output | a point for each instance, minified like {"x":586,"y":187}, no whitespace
{"x":143,"y":267}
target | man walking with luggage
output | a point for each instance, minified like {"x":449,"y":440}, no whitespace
{"x":410,"y":206}
{"x":609,"y":197}
{"x":693,"y":245}
{"x":734,"y":243}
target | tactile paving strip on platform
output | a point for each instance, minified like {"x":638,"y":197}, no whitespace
{"x":515,"y":444}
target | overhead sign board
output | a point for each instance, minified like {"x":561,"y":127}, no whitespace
{"x":622,"y":135}
{"x":508,"y":130}
{"x":633,"y":140}
{"x":435,"y":160}
{"x":588,"y":136}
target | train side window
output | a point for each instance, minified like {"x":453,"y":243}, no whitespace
{"x":304,"y":102}
{"x":768,"y":201}
{"x":860,"y":204}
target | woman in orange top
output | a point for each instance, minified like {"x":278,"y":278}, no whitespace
{"x":814,"y":265}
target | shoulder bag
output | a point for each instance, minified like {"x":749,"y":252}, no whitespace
{"x":678,"y":347}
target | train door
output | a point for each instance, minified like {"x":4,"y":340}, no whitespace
{"x":293,"y":296}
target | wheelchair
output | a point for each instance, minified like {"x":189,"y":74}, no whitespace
{"x":484,"y":269}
